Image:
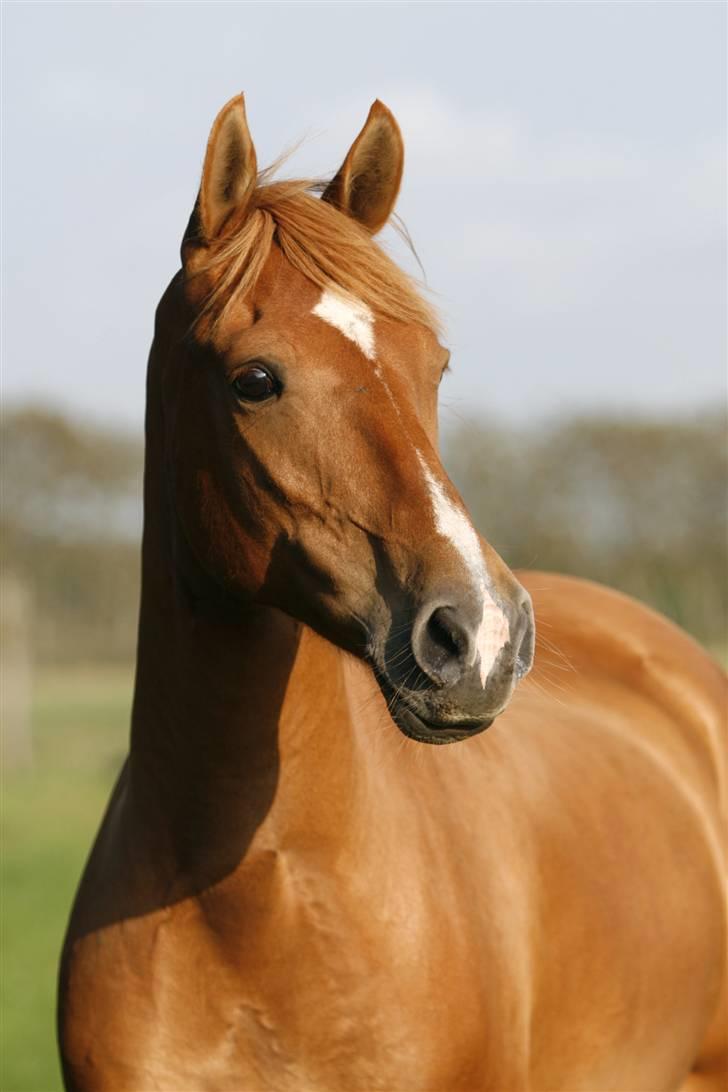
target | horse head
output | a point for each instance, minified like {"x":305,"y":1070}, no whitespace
{"x":298,"y":372}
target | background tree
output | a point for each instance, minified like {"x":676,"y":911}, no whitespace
{"x":638,"y":505}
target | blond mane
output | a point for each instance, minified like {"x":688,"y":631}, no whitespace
{"x":324,"y":244}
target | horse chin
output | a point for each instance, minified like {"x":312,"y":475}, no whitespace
{"x":410,"y":724}
{"x":422,"y":730}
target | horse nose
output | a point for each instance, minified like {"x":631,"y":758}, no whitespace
{"x":444,"y":644}
{"x":445,"y":641}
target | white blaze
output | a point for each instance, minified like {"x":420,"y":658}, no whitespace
{"x":355,"y":321}
{"x":452,"y":523}
{"x":350,"y":316}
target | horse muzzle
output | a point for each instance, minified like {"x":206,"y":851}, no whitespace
{"x":449,"y":677}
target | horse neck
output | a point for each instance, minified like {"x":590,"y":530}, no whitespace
{"x":241,"y":716}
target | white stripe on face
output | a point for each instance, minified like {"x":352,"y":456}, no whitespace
{"x":355,"y":321}
{"x":452,"y":523}
{"x":350,"y":316}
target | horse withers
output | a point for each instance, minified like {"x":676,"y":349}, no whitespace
{"x":289,"y":889}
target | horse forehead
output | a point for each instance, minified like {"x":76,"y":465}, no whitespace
{"x":351,"y":317}
{"x":378,"y":339}
{"x":315,"y":310}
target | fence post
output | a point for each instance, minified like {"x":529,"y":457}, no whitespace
{"x":15,"y":674}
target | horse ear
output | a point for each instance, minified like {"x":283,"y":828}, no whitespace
{"x":229,"y":172}
{"x":367,"y":183}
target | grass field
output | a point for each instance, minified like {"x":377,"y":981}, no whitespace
{"x":49,"y":817}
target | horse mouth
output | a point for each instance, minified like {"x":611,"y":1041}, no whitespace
{"x":416,"y":727}
{"x":432,"y":731}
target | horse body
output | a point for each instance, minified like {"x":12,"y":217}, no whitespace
{"x":286,"y":892}
{"x":408,"y":920}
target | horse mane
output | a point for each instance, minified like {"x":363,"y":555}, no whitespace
{"x":325,"y":245}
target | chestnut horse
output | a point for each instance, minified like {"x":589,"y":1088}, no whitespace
{"x":289,"y":891}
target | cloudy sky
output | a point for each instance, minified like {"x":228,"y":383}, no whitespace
{"x":564,"y":182}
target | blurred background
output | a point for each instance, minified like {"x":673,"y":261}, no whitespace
{"x":565,"y":191}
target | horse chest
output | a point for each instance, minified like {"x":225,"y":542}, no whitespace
{"x":301,"y":972}
{"x":337,"y":984}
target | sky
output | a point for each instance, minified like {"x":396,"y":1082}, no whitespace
{"x":564,"y":184}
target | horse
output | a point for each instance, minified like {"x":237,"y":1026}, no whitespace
{"x":290,"y":890}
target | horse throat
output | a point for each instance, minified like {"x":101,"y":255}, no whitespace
{"x":243,"y":731}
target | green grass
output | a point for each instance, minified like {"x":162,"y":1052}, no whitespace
{"x":49,"y":817}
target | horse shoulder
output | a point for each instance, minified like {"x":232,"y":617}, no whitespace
{"x":599,"y":642}
{"x":619,"y":739}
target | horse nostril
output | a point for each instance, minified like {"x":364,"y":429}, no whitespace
{"x":526,"y":639}
{"x":444,"y":634}
{"x":442,"y":646}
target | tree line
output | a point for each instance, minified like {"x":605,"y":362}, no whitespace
{"x":639,"y":505}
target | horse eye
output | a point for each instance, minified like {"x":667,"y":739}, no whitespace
{"x":255,"y":384}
